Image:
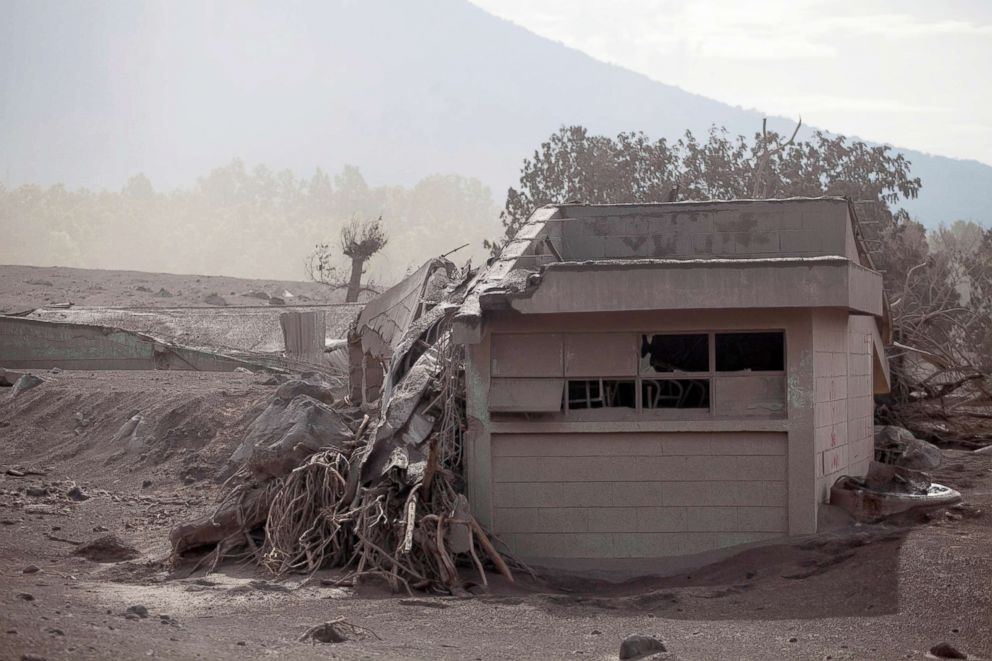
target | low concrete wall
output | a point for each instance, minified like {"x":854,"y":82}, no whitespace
{"x":33,"y":344}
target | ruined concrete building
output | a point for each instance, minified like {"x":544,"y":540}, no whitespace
{"x":666,"y":379}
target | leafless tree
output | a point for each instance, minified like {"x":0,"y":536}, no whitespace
{"x":769,"y":147}
{"x":360,"y":240}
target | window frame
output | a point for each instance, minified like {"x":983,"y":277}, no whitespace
{"x":641,"y":375}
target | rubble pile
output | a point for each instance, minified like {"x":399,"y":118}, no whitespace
{"x":372,"y":486}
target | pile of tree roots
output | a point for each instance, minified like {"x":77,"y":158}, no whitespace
{"x":375,"y":496}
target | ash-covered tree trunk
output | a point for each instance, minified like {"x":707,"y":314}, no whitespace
{"x":355,"y":282}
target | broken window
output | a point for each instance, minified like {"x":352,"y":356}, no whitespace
{"x":757,"y":352}
{"x":601,"y":393}
{"x":675,"y":393}
{"x":675,"y":353}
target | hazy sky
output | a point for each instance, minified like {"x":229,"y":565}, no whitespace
{"x":914,"y":73}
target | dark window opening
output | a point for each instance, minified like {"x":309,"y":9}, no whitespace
{"x":758,"y":352}
{"x":675,"y":393}
{"x":670,"y":353}
{"x":601,"y":393}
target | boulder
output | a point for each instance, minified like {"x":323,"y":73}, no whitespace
{"x":898,"y":446}
{"x":24,"y":383}
{"x":286,"y":433}
{"x":8,"y":377}
{"x":108,"y":548}
{"x":638,"y":647}
{"x":214,"y":299}
{"x":311,"y":386}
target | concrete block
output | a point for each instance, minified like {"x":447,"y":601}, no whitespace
{"x":699,"y":542}
{"x":762,"y":494}
{"x":686,"y":444}
{"x":647,"y":494}
{"x":561,"y":545}
{"x":763,"y":519}
{"x":588,"y":494}
{"x":528,"y":494}
{"x":835,"y":460}
{"x":800,"y":242}
{"x":664,"y":245}
{"x":660,"y":519}
{"x":700,"y":493}
{"x":749,"y":443}
{"x":649,"y":545}
{"x":761,"y":468}
{"x":543,"y":520}
{"x":756,"y":243}
{"x":711,"y":519}
{"x":612,"y":519}
{"x":712,"y":468}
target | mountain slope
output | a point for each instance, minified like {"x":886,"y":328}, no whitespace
{"x":94,"y":93}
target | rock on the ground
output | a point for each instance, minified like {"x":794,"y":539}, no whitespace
{"x":286,"y":433}
{"x":31,"y":569}
{"x":311,"y":386}
{"x":138,"y":610}
{"x":214,"y":299}
{"x":36,"y":492}
{"x":24,"y":383}
{"x":898,"y":446}
{"x":947,"y":651}
{"x":77,"y":494}
{"x":108,"y":548}
{"x":8,"y":377}
{"x":638,"y":647}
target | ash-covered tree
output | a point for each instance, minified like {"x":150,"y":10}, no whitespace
{"x":359,"y":241}
{"x":573,"y":165}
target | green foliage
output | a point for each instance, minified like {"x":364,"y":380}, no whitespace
{"x":574,"y":165}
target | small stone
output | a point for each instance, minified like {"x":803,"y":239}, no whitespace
{"x":137,"y":610}
{"x":793,"y":640}
{"x":55,"y":632}
{"x":108,"y":548}
{"x":947,"y":651}
{"x":31,"y":569}
{"x":638,"y":647}
{"x":33,"y":657}
{"x":26,"y":596}
{"x":36,"y":492}
{"x":146,"y":484}
{"x":596,"y":632}
{"x":77,"y":494}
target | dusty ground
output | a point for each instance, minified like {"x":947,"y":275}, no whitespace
{"x":29,"y":287}
{"x":872,"y":592}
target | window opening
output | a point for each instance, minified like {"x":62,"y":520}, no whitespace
{"x":601,"y":393}
{"x":675,"y":353}
{"x":758,"y":352}
{"x":675,"y":393}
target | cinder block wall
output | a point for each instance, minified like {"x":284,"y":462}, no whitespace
{"x":844,"y":404}
{"x":637,"y":495}
{"x":759,"y":229}
{"x":657,"y":487}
